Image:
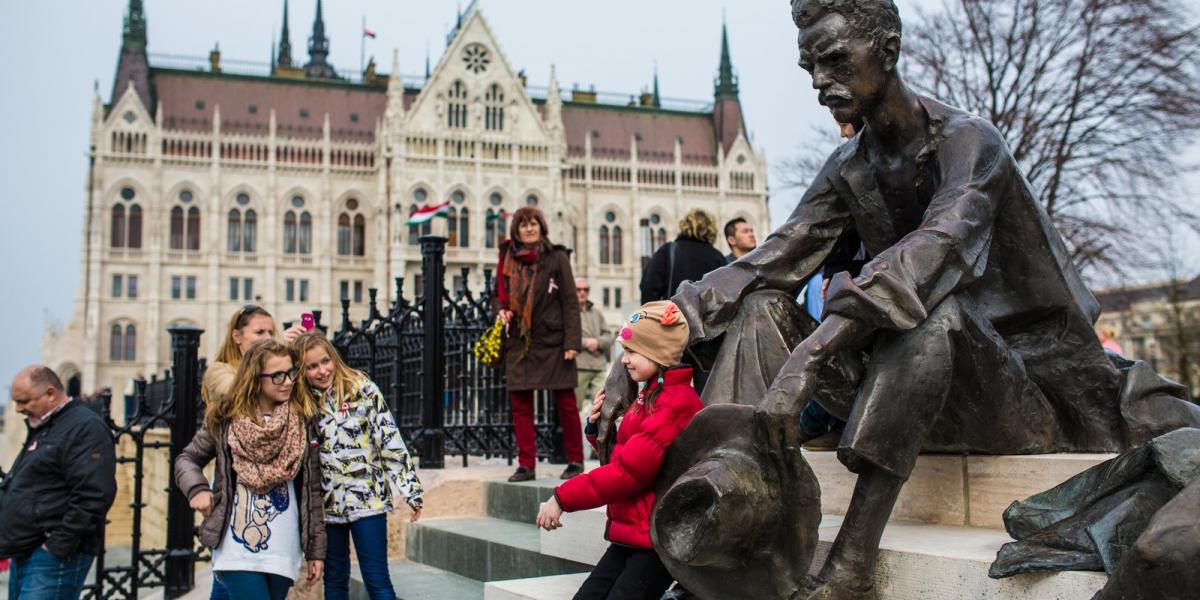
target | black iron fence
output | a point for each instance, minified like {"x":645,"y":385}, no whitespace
{"x":171,"y":403}
{"x":421,"y":355}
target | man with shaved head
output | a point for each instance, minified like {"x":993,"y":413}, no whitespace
{"x":58,"y":492}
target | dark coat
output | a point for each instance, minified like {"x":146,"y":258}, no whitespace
{"x":555,"y":329}
{"x":190,"y":479}
{"x":61,"y":486}
{"x":693,"y":260}
{"x":626,"y":482}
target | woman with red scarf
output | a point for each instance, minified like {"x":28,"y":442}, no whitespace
{"x":536,"y":301}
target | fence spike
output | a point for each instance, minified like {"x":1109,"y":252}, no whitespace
{"x":346,"y":324}
{"x":373,"y":293}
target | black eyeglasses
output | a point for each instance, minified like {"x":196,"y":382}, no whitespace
{"x":280,"y":377}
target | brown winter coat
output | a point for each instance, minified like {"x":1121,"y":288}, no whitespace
{"x":555,"y":327}
{"x":190,"y":479}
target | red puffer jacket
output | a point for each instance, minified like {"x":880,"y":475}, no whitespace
{"x":626,"y":483}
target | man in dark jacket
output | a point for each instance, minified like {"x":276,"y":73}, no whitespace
{"x":58,"y":492}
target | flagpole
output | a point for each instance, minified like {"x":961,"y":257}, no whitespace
{"x":362,"y":48}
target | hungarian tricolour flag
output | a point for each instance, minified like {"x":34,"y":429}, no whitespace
{"x":368,"y":32}
{"x":426,"y":213}
{"x":503,"y":214}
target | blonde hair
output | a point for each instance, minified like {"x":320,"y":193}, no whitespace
{"x":230,"y":353}
{"x":247,"y":387}
{"x":700,"y":225}
{"x":346,"y":380}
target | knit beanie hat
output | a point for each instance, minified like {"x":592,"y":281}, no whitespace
{"x":657,"y":331}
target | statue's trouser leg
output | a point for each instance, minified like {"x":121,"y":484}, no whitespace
{"x":952,"y":375}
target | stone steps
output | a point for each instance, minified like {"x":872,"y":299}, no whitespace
{"x":415,"y":581}
{"x":483,"y":549}
{"x":918,"y":561}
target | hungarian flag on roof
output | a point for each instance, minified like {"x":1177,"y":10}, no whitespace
{"x":368,"y":33}
{"x":427,"y":213}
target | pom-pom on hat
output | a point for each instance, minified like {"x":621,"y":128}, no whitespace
{"x":657,"y":331}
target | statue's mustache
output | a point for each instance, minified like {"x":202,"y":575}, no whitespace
{"x":835,"y":96}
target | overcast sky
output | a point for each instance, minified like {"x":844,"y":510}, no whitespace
{"x":54,"y":50}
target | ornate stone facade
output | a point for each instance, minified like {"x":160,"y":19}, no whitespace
{"x":210,"y":189}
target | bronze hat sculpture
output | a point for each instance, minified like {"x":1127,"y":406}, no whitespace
{"x":737,"y":502}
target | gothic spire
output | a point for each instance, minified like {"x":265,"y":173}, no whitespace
{"x":318,"y":50}
{"x":285,"y":41}
{"x":727,"y":84}
{"x":657,"y":101}
{"x":133,"y":68}
{"x":135,"y":26}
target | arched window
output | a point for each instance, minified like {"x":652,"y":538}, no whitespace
{"x":616,"y":245}
{"x":531,"y":200}
{"x":249,"y":230}
{"x":289,"y":232}
{"x":118,"y":226}
{"x":360,"y":236}
{"x":135,"y":227}
{"x":234,"y":231}
{"x":193,"y":228}
{"x":305,"y":233}
{"x":116,"y":343}
{"x":456,"y":114}
{"x":604,"y":241}
{"x":464,"y":228}
{"x":130,"y":343}
{"x":177,"y":228}
{"x":416,"y":231}
{"x":351,"y":231}
{"x":490,"y":224}
{"x":493,"y":115}
{"x":343,"y":235}
{"x":452,"y":227}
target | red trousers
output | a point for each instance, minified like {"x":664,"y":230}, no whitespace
{"x":568,"y":418}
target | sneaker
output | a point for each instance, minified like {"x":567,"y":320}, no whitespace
{"x":572,"y":470}
{"x":826,"y":442}
{"x":523,"y":474}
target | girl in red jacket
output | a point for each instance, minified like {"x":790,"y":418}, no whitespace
{"x":654,"y":339}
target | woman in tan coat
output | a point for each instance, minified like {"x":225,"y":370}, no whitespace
{"x":536,"y":295}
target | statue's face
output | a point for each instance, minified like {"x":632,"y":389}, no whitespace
{"x":847,"y":71}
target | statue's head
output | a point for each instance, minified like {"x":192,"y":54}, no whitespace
{"x":850,"y":47}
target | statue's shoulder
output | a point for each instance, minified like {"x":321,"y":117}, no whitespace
{"x":959,"y":127}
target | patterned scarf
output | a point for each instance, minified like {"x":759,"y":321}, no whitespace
{"x":521,"y":267}
{"x":267,"y":455}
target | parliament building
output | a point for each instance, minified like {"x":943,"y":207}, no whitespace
{"x":210,"y":187}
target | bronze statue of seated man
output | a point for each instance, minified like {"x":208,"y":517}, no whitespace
{"x":976,"y":327}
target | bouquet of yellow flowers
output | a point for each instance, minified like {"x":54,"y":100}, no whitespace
{"x":487,"y":349}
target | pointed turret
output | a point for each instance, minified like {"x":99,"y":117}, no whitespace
{"x":318,"y":66}
{"x":133,"y":68}
{"x":727,"y":108}
{"x":395,"y":93}
{"x":656,"y":102}
{"x":285,"y":41}
{"x":726,"y":85}
{"x":553,"y":103}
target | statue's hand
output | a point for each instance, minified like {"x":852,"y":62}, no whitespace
{"x":795,"y":384}
{"x":619,"y":392}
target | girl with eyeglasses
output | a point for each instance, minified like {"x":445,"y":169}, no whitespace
{"x":363,"y":457}
{"x":248,"y":326}
{"x":263,"y":513}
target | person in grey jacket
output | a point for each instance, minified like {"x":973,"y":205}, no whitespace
{"x":592,"y":362}
{"x":58,"y":491}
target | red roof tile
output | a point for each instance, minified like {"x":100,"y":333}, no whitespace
{"x":612,"y":127}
